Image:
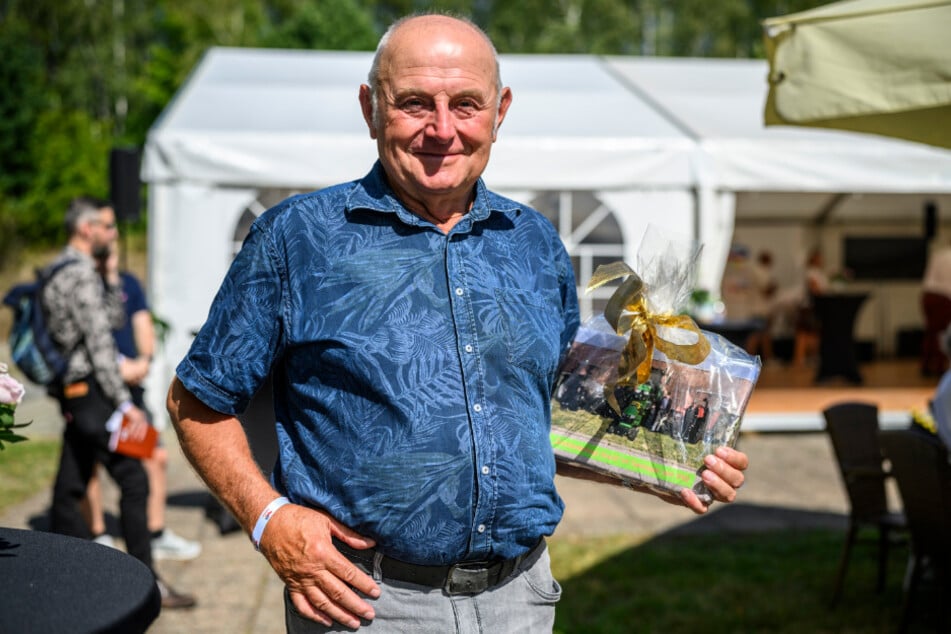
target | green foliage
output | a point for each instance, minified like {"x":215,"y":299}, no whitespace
{"x":162,"y":328}
{"x":7,"y":425}
{"x":21,"y":65}
{"x":331,"y":25}
{"x":162,"y":74}
{"x":72,"y":161}
{"x":9,"y":242}
{"x":730,"y":28}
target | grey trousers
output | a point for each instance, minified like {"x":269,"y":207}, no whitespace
{"x":525,"y":602}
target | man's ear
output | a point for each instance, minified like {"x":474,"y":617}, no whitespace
{"x":504,"y":104}
{"x":84,"y":228}
{"x":366,"y":106}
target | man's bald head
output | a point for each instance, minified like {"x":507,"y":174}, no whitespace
{"x":406,"y":27}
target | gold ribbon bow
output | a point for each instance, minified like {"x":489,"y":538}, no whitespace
{"x":627,"y":312}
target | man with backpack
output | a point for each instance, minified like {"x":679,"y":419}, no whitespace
{"x":82,"y":308}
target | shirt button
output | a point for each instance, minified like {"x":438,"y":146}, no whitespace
{"x":459,"y":291}
{"x":477,"y":407}
{"x":468,"y":347}
{"x":485,"y":470}
{"x":481,"y":528}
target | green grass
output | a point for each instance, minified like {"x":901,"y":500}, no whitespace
{"x":26,"y":468}
{"x":775,"y":582}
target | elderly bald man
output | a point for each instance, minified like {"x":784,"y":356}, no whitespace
{"x":413,"y":322}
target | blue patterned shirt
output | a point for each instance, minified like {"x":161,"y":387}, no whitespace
{"x":412,"y":369}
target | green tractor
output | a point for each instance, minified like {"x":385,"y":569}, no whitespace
{"x":635,"y":409}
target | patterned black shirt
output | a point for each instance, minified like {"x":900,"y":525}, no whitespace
{"x":82,"y":312}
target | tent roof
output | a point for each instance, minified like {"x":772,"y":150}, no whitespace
{"x":877,"y":66}
{"x":280,"y":118}
{"x":291,"y":118}
{"x":720,"y":102}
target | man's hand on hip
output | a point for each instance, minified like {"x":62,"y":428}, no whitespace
{"x":320,"y":581}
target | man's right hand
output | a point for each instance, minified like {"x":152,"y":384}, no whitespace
{"x":133,"y":371}
{"x":323,"y":584}
{"x":320,"y":581}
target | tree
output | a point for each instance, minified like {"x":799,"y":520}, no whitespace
{"x":730,"y":28}
{"x":21,"y":66}
{"x":331,"y":25}
{"x":68,"y":105}
{"x":98,"y":74}
{"x":71,"y":161}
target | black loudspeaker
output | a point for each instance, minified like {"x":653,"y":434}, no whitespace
{"x":124,"y":184}
{"x":931,"y":219}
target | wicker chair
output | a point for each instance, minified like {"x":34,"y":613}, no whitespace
{"x":853,"y":430}
{"x":923,"y":474}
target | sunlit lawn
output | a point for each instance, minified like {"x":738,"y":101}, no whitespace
{"x":26,"y":468}
{"x":732,"y":583}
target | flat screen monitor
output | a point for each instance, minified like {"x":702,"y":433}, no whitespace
{"x":886,"y":258}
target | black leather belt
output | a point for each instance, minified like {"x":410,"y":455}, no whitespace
{"x":470,"y":577}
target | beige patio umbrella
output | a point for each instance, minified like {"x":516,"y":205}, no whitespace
{"x":877,"y":66}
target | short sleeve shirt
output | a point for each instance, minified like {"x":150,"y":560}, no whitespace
{"x":412,"y":369}
{"x":133,"y":301}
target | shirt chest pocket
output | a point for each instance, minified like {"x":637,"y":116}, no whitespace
{"x":532,"y":324}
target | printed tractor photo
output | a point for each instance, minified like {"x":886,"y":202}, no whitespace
{"x":661,"y":428}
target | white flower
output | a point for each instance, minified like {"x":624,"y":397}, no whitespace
{"x":11,"y":390}
{"x":11,"y":393}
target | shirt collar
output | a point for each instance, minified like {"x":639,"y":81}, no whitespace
{"x":73,"y":253}
{"x":373,"y":193}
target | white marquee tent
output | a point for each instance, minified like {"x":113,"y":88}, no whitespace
{"x":604,"y":146}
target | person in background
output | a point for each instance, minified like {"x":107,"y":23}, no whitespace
{"x":941,"y":401}
{"x":135,"y":342}
{"x":806,"y":337}
{"x":764,"y":292}
{"x":413,"y":322}
{"x":83,"y":308}
{"x":817,"y":280}
{"x":936,"y":309}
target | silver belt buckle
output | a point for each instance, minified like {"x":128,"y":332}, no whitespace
{"x":467,"y":580}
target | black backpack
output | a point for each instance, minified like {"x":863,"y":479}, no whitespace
{"x":31,"y":346}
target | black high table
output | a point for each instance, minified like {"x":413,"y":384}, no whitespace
{"x":736,"y":332}
{"x":53,"y":583}
{"x":836,"y":314}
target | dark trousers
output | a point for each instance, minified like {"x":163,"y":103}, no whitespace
{"x":86,"y":442}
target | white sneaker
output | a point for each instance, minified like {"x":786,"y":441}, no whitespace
{"x":175,"y":547}
{"x":106,"y":540}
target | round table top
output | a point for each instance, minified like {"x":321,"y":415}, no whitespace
{"x":54,"y":583}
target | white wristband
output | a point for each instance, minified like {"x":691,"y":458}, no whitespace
{"x":264,"y":518}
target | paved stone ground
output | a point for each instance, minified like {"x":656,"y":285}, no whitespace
{"x":792,"y":483}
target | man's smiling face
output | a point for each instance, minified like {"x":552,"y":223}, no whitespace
{"x":439,"y":110}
